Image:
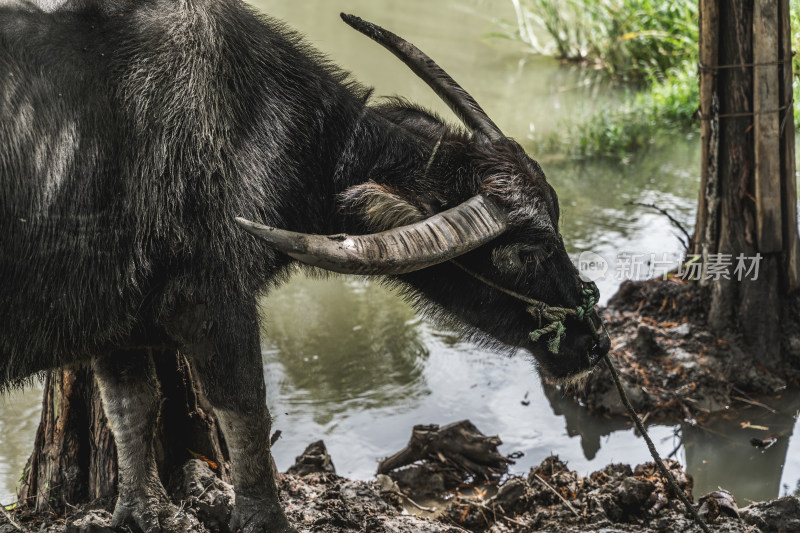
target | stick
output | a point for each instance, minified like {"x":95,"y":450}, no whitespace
{"x":757,"y":404}
{"x":412,"y":502}
{"x":661,"y":466}
{"x":673,"y":452}
{"x":11,"y":519}
{"x":671,"y":219}
{"x":504,"y":517}
{"x":563,"y":499}
{"x":749,"y":399}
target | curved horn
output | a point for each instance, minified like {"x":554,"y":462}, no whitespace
{"x":431,"y":241}
{"x":459,"y":100}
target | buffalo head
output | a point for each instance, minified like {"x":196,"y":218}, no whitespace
{"x":489,"y":243}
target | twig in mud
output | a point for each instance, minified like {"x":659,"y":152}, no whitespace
{"x":563,"y":499}
{"x":180,"y":509}
{"x":460,"y":445}
{"x":755,"y":403}
{"x":11,"y":520}
{"x":672,"y":219}
{"x":687,"y":413}
{"x":650,"y":446}
{"x":504,"y":517}
{"x":746,"y":398}
{"x":184,"y":502}
{"x":673,"y":452}
{"x":517,"y":522}
{"x":409,"y":500}
{"x":204,"y":491}
{"x":72,"y":506}
{"x":507,"y":519}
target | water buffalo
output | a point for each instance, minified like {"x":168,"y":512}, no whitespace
{"x":134,"y":132}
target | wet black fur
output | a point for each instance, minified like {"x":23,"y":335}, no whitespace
{"x":133,"y":132}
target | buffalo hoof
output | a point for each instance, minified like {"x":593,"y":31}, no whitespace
{"x":256,"y":515}
{"x":153,"y":513}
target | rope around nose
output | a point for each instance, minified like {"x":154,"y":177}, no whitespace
{"x":554,"y":317}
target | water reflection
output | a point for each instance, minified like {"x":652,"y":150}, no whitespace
{"x":19,"y":418}
{"x":595,"y":195}
{"x":580,"y":423}
{"x":344,"y":345}
{"x":718,"y":453}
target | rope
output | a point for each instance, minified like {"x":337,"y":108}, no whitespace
{"x":650,"y":446}
{"x":702,"y":116}
{"x":556,"y":317}
{"x":708,"y":68}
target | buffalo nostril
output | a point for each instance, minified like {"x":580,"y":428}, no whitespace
{"x":595,"y":354}
{"x":599,"y":349}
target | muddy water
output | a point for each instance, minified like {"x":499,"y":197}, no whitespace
{"x":349,"y":362}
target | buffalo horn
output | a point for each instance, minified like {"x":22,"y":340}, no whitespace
{"x":459,"y":100}
{"x":396,"y":251}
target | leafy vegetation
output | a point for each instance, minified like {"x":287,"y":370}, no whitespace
{"x":630,"y":39}
{"x":639,"y":121}
{"x":652,"y":43}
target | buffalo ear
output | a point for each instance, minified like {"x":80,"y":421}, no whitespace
{"x":383,"y":207}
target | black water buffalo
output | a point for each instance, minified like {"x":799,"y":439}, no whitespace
{"x":134,"y":132}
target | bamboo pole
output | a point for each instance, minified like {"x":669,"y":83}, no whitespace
{"x":767,"y":142}
{"x":791,"y":242}
{"x":709,"y":53}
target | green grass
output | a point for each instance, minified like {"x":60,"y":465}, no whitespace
{"x":629,"y":39}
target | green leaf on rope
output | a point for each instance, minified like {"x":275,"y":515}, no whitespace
{"x":555,"y":342}
{"x":557,"y":315}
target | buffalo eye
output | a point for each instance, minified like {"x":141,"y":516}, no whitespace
{"x":515,"y":257}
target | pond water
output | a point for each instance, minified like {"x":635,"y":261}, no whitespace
{"x":348,"y":361}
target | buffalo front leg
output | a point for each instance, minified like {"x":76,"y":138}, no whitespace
{"x":257,"y":507}
{"x":226,"y":352}
{"x":131,"y":399}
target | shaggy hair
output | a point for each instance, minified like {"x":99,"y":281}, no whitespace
{"x":132,"y":133}
{"x":381,"y":206}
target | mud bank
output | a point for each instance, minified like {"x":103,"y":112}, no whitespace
{"x":618,"y":498}
{"x":671,"y":365}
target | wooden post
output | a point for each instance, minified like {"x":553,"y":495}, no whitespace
{"x":766,"y":92}
{"x":709,"y":52}
{"x":791,"y":242}
{"x":75,"y":458}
